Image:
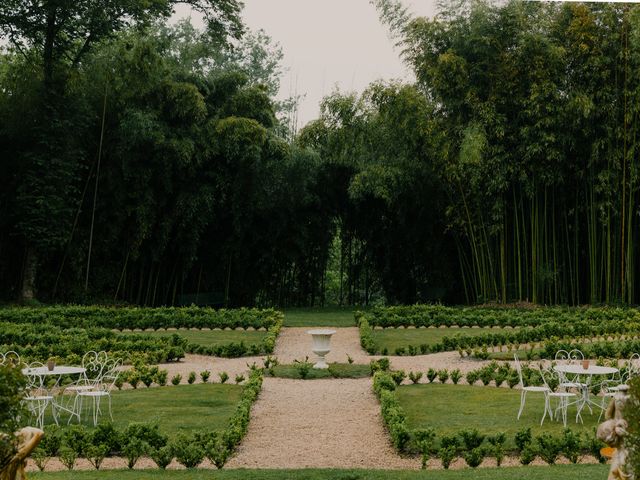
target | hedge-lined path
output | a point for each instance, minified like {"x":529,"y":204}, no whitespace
{"x":317,"y":424}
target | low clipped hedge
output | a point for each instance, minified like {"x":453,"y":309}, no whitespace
{"x":472,"y":445}
{"x":69,"y":332}
{"x":121,"y":318}
{"x":534,"y":325}
{"x":141,"y":439}
{"x":441,"y":316}
{"x":41,"y":341}
{"x":392,"y":413}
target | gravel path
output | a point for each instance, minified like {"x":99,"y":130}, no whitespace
{"x":295,"y":344}
{"x":216,"y":365}
{"x":317,"y":424}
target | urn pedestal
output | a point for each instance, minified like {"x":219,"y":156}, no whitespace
{"x":321,"y":345}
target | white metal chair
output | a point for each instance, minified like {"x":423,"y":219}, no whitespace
{"x":609,"y":391}
{"x":94,"y":364}
{"x":570,"y":358}
{"x":632,"y":370}
{"x":612,"y":386}
{"x":526,"y":389}
{"x":562,"y":396}
{"x":38,"y":398}
{"x":568,"y":382}
{"x":10,"y":358}
{"x":101,"y":389}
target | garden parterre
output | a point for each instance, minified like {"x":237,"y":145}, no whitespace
{"x":68,"y":332}
{"x":552,"y":326}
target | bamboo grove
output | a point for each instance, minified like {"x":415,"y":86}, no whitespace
{"x":154,"y":163}
{"x":542,"y":103}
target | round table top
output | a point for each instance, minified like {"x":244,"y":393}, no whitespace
{"x":321,"y":331}
{"x":576,"y":368}
{"x":57,"y":370}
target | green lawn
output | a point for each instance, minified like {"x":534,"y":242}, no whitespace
{"x":337,"y":370}
{"x":320,"y":317}
{"x":391,"y":338}
{"x":451,"y":408}
{"x":558,"y":472}
{"x":185,"y":408}
{"x":213,"y":338}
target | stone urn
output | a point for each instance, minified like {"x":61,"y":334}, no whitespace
{"x":321,"y":345}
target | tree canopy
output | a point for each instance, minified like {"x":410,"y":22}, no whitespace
{"x":151,"y":164}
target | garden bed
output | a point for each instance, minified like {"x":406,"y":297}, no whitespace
{"x":69,"y":332}
{"x":552,"y":326}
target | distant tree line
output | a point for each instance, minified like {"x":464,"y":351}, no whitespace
{"x":151,"y":164}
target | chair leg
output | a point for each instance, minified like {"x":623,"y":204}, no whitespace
{"x":602,"y":407}
{"x":54,"y":412}
{"x":547,"y":409}
{"x":563,"y":403}
{"x":110,"y":413}
{"x":523,"y":399}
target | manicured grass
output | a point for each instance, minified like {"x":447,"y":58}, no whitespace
{"x":392,"y":338}
{"x":320,"y":317}
{"x":522,"y":354}
{"x":185,"y":408}
{"x":451,"y":408}
{"x":213,"y":338}
{"x":558,"y":472}
{"x":337,"y":370}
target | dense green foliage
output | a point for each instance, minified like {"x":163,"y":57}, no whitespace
{"x":143,"y":318}
{"x":539,"y":106}
{"x":166,"y":174}
{"x":441,"y":316}
{"x":69,"y":332}
{"x":152,"y":165}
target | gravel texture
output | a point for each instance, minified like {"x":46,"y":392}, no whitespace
{"x":317,"y":424}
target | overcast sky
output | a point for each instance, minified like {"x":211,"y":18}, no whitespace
{"x":328,"y":43}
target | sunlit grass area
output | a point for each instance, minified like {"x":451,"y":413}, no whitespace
{"x":451,"y":408}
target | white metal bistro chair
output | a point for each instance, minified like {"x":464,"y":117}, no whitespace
{"x":570,"y":358}
{"x":569,"y":382}
{"x":564,"y":398}
{"x":609,"y":391}
{"x":101,"y":390}
{"x":10,"y":358}
{"x":632,"y":371}
{"x":38,"y":399}
{"x":526,"y":389}
{"x":94,"y":364}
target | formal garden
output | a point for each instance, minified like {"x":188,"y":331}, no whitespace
{"x":432,"y":278}
{"x":256,"y":402}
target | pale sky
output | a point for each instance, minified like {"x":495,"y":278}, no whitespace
{"x":328,"y":43}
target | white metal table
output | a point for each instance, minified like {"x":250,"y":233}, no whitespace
{"x":588,"y":373}
{"x":58,"y":371}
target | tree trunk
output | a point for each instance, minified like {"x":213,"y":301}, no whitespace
{"x":29,"y":276}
